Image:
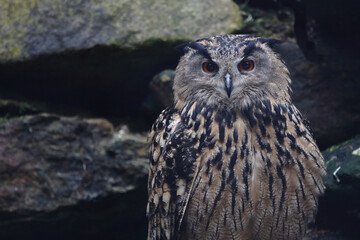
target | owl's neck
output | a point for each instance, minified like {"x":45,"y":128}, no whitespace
{"x":237,"y":103}
{"x":199,"y":115}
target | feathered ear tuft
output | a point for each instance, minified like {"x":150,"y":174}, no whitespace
{"x":184,"y":48}
{"x":270,"y":42}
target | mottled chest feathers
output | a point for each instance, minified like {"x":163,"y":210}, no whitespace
{"x":256,"y":170}
{"x":225,"y":125}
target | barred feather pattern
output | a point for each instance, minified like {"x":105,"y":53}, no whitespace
{"x":253,"y":173}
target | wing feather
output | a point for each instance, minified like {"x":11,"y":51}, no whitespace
{"x":172,"y":168}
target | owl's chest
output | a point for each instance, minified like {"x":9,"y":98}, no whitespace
{"x":225,"y":168}
{"x":226,"y":189}
{"x":249,"y":175}
{"x":228,"y":149}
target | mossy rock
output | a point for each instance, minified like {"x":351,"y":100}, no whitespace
{"x":35,"y":27}
{"x":339,"y":207}
{"x":346,"y":158}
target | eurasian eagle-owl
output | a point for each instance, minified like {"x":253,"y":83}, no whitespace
{"x":233,"y":157}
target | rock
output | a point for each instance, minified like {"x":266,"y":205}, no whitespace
{"x":345,"y":158}
{"x":339,"y":207}
{"x":160,"y":95}
{"x":11,"y":108}
{"x":319,"y":234}
{"x":68,"y":172}
{"x":320,"y":96}
{"x":332,"y":23}
{"x":325,"y":34}
{"x":161,"y":86}
{"x":267,"y":23}
{"x":100,"y":55}
{"x":45,"y":26}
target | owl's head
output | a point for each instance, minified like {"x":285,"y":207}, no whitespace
{"x":230,"y":70}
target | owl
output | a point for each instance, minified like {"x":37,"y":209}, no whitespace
{"x":232,"y":158}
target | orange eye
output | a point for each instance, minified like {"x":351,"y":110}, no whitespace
{"x":246,"y":65}
{"x":210,"y":67}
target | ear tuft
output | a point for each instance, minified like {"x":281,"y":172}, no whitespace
{"x":183,"y":48}
{"x":270,"y":42}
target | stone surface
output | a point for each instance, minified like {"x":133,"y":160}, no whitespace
{"x":321,"y":92}
{"x":268,"y":23}
{"x":339,"y":207}
{"x":47,"y":161}
{"x":100,"y":55}
{"x":35,"y":27}
{"x":63,"y":177}
{"x":11,"y":108}
{"x":161,"y":86}
{"x":325,"y":33}
{"x":346,"y":158}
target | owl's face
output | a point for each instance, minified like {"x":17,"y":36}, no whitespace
{"x":230,"y":70}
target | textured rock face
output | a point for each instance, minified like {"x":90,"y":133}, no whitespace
{"x":45,"y":26}
{"x":88,"y":49}
{"x":71,"y":178}
{"x":321,"y":92}
{"x":339,"y":207}
{"x":325,"y":33}
{"x":345,"y":160}
{"x":47,"y":161}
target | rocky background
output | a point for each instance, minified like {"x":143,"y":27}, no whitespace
{"x":81,"y":82}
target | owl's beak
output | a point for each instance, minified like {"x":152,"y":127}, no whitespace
{"x":228,"y":84}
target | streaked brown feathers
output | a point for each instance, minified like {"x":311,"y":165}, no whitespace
{"x":224,"y":169}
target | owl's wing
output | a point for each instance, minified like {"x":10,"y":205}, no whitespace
{"x":172,"y":170}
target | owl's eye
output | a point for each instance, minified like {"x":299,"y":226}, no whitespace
{"x":210,"y":67}
{"x":246,"y":65}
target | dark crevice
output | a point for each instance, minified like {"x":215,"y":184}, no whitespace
{"x":106,"y":81}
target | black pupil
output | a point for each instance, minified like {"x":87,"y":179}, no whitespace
{"x":211,"y":67}
{"x":245,"y":65}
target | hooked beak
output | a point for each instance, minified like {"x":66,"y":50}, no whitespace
{"x":228,"y":84}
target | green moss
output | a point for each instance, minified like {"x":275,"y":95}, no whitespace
{"x":341,"y":156}
{"x":3,"y":120}
{"x":25,"y":107}
{"x":335,"y":147}
{"x":15,"y":108}
{"x":14,"y":17}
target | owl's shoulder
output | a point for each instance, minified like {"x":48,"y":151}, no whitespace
{"x":166,"y":117}
{"x":172,"y":158}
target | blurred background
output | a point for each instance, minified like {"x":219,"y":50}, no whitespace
{"x":81,"y":82}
